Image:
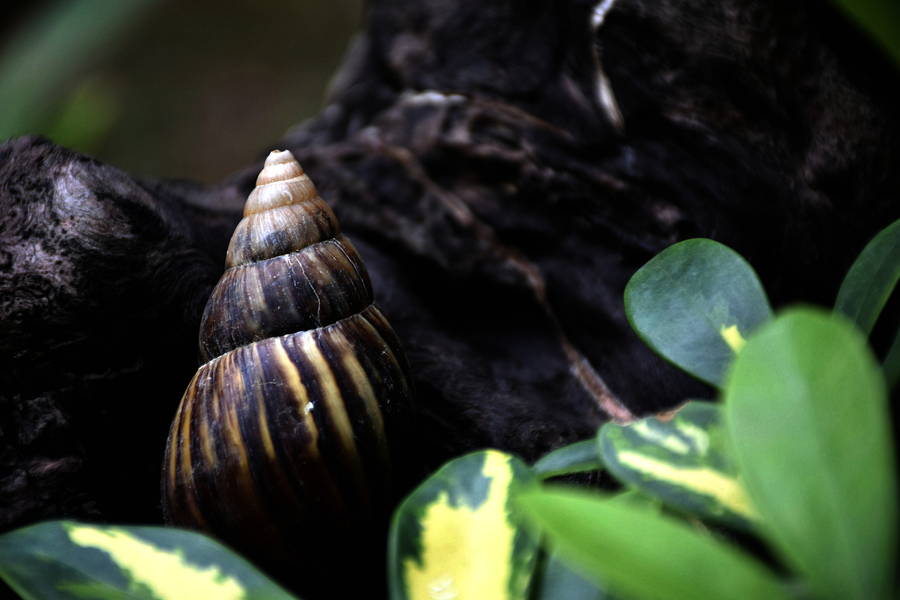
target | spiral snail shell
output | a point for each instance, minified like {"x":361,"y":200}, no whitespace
{"x":292,"y":426}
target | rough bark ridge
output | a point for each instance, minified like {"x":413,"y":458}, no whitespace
{"x":102,"y":280}
{"x":503,"y":168}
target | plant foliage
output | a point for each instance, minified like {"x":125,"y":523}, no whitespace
{"x":807,"y":411}
{"x":695,"y":304}
{"x":67,"y":560}
{"x":798,"y":455}
{"x":645,"y":555}
{"x":460,"y":535}
{"x":684,"y":459}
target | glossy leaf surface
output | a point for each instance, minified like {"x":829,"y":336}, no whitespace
{"x":644,"y":555}
{"x":695,"y":304}
{"x":806,"y":408}
{"x":685,"y":460}
{"x":66,"y":560}
{"x":458,"y":535}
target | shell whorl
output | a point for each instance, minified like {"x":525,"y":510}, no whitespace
{"x":293,"y":422}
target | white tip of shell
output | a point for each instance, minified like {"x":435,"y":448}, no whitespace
{"x":281,"y":182}
{"x":280,"y":165}
{"x":277,"y":157}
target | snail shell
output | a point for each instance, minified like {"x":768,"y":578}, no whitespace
{"x":292,"y":426}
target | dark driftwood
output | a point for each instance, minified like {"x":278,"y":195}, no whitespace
{"x":501,"y":207}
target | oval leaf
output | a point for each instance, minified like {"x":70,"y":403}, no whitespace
{"x":871,"y":279}
{"x":644,"y":555}
{"x":458,"y":535}
{"x":574,"y":458}
{"x":65,"y":559}
{"x":684,"y":460}
{"x":694,"y":304}
{"x":806,"y":408}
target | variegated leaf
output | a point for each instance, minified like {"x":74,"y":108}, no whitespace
{"x":685,"y":461}
{"x":65,"y":559}
{"x":695,"y":304}
{"x":458,"y":535}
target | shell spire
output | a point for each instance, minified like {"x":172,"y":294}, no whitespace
{"x":282,"y":182}
{"x":288,"y":235}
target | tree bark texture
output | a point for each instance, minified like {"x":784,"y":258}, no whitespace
{"x":503,"y":168}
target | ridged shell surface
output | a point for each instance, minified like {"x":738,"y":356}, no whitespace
{"x":292,"y":425}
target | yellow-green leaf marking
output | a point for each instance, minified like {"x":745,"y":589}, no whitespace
{"x":469,"y":544}
{"x":733,"y":337}
{"x":685,"y":461}
{"x":727,"y":491}
{"x":694,"y":304}
{"x":164,"y":572}
{"x":664,"y":439}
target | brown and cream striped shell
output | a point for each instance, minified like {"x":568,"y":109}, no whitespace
{"x":292,"y":426}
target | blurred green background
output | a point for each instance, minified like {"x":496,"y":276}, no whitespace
{"x":196,"y":88}
{"x":189,"y":89}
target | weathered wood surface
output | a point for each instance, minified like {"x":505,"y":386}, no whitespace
{"x":502,"y":191}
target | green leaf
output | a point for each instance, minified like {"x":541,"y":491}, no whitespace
{"x":574,"y":458}
{"x":685,"y":460}
{"x":871,"y":279}
{"x":65,"y":559}
{"x":557,"y":581}
{"x":694,"y":304}
{"x":459,"y":535}
{"x":637,"y":553}
{"x":806,"y":408}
